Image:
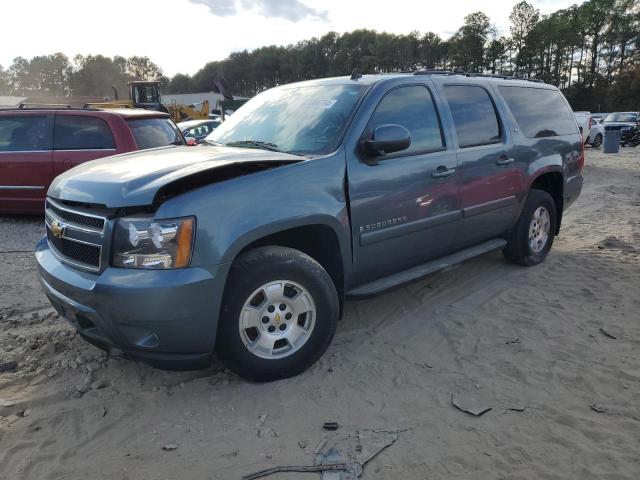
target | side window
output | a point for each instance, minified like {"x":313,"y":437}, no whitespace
{"x":474,"y":115}
{"x":540,"y":112}
{"x":25,"y":133}
{"x":413,"y":108}
{"x":75,"y":132}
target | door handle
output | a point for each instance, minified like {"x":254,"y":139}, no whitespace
{"x":504,"y":161}
{"x":443,"y":172}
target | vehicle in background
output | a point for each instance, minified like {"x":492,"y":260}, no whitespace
{"x":584,"y":123}
{"x":146,"y":94}
{"x":309,"y":193}
{"x":598,"y":116}
{"x":37,"y":144}
{"x":596,"y":134}
{"x":627,"y":122}
{"x":198,"y":129}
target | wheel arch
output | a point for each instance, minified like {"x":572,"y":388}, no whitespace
{"x":551,"y":181}
{"x":320,"y":239}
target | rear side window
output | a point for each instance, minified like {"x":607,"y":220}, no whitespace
{"x":26,"y":133}
{"x":540,"y":112}
{"x":474,"y":115}
{"x":75,"y":132}
{"x":413,"y":108}
{"x":155,"y":132}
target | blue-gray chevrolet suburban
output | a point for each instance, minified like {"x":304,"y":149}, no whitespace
{"x":245,"y":247}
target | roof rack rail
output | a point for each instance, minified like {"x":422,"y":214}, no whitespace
{"x":473,"y":74}
{"x":437,"y":72}
{"x":25,"y":105}
{"x":47,"y":106}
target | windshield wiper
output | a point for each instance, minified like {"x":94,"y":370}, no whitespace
{"x":213,"y":142}
{"x":255,"y":144}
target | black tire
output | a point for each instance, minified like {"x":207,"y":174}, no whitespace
{"x":249,"y":272}
{"x":518,"y":249}
{"x":597,"y":142}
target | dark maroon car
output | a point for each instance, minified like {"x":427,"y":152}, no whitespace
{"x":38,"y":144}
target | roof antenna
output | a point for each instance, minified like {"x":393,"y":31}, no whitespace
{"x":355,"y":75}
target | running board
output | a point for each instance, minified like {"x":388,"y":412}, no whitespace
{"x":385,"y":283}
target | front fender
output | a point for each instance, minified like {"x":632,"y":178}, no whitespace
{"x":232,"y":214}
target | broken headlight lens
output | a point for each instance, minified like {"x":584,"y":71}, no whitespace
{"x":155,"y":244}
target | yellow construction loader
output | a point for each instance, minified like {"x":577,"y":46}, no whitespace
{"x":146,"y":94}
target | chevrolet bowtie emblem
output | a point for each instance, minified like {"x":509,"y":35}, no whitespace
{"x":277,"y":319}
{"x":57,"y":229}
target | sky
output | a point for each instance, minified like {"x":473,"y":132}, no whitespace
{"x":182,"y":35}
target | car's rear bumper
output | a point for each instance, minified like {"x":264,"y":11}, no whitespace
{"x":167,"y":318}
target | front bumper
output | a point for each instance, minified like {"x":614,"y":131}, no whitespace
{"x":167,"y":318}
{"x":627,"y":134}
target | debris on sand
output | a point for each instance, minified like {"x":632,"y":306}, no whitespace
{"x":607,"y":333}
{"x":330,"y":426}
{"x":6,"y":403}
{"x":343,"y":459}
{"x":517,"y":408}
{"x":615,"y":243}
{"x":470,"y":403}
{"x":8,"y":366}
{"x":169,"y":447}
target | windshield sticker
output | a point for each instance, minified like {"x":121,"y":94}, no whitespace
{"x":326,"y":104}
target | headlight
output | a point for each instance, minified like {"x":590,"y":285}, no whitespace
{"x":158,"y":244}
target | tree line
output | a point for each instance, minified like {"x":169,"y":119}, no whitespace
{"x":83,"y":76}
{"x":591,"y":51}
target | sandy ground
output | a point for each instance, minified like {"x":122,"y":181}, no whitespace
{"x":534,"y":344}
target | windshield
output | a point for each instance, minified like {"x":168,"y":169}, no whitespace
{"x":155,"y":132}
{"x":620,"y":117}
{"x":146,"y":94}
{"x":301,"y":120}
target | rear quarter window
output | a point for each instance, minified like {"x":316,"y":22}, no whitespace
{"x":155,"y":132}
{"x":539,"y":112}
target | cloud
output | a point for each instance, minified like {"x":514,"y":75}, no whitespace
{"x":292,"y":10}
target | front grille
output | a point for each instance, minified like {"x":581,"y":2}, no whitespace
{"x":80,"y":235}
{"x":96,"y":223}
{"x":75,"y":251}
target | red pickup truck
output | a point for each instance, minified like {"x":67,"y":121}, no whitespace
{"x":38,"y":144}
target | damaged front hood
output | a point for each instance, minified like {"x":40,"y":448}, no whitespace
{"x":133,"y":179}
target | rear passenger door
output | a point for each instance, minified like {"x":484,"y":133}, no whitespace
{"x":404,"y":205}
{"x":490,"y":177}
{"x":25,"y":161}
{"x":78,"y":139}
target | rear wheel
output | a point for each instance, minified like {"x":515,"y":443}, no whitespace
{"x":532,"y":238}
{"x":279,"y":314}
{"x":597,"y":141}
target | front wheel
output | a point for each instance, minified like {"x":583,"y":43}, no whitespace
{"x":280,"y":311}
{"x":531,"y":239}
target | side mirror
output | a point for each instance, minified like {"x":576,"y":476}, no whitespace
{"x":387,"y":139}
{"x":191,"y":142}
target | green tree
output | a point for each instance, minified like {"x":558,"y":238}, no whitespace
{"x":142,"y":68}
{"x":4,"y":82}
{"x":524,"y":18}
{"x":468,"y":44}
{"x":94,"y":75}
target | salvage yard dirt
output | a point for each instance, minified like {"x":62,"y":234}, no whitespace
{"x":553,"y":351}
